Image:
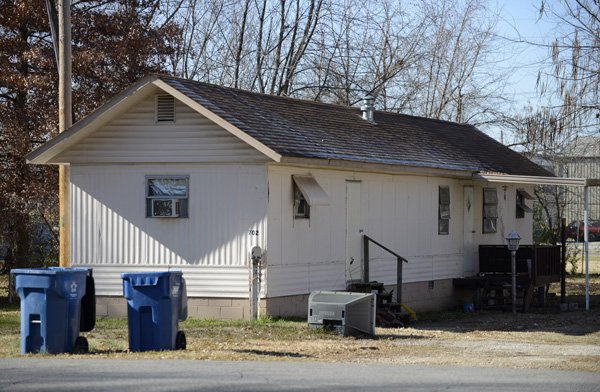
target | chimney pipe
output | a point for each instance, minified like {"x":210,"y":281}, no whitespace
{"x":367,"y":108}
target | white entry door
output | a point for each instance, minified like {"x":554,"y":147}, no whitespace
{"x":353,"y":232}
{"x":468,"y":231}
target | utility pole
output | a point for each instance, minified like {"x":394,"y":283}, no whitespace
{"x":65,"y":120}
{"x":563,"y":260}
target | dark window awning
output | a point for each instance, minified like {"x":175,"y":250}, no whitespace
{"x":525,"y":194}
{"x":523,"y":206}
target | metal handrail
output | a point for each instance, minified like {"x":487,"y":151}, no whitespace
{"x":399,"y":260}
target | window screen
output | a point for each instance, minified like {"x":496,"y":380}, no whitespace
{"x":444,"y":210}
{"x":490,"y":210}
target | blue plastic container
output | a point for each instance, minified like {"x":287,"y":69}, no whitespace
{"x":51,"y":309}
{"x":156,"y":302}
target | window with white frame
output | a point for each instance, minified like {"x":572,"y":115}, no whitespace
{"x":490,"y":210}
{"x":167,"y":196}
{"x":444,"y":210}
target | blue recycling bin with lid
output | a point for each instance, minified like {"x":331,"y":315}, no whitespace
{"x":156,"y":302}
{"x":51,"y":309}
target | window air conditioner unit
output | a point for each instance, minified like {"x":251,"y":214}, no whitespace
{"x":165,"y":208}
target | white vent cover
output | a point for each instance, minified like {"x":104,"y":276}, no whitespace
{"x":165,"y":108}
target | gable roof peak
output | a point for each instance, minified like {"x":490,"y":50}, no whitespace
{"x":295,"y":128}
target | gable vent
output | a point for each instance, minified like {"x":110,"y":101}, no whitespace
{"x":165,"y":108}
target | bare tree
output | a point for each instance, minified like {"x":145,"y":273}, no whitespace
{"x":540,"y":135}
{"x":240,"y":46}
{"x":454,"y":72}
{"x":115,"y":44}
{"x":427,"y":60}
{"x":573,"y":82}
{"x":569,"y":87}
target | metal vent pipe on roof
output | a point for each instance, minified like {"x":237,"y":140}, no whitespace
{"x":368,"y":108}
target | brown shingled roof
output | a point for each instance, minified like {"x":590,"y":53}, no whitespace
{"x":307,"y":129}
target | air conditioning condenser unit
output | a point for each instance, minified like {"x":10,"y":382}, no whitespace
{"x":349,"y":314}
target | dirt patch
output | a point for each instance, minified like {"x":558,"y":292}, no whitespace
{"x":486,"y":339}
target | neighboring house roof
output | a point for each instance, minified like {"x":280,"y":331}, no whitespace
{"x":294,"y":128}
{"x":583,"y":147}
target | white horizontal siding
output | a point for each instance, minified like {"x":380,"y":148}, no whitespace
{"x":135,"y":137}
{"x":109,"y":224}
{"x":418,"y":268}
{"x":306,"y":277}
{"x":220,"y":282}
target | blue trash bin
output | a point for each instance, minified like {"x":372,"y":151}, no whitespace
{"x":51,"y":309}
{"x":156,"y":302}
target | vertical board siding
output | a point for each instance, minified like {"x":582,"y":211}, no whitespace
{"x":110,"y":227}
{"x":303,"y":278}
{"x":136,"y":137}
{"x":400,"y":211}
{"x":580,"y":168}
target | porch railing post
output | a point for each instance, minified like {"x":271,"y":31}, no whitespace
{"x":399,"y":260}
{"x":399,"y":280}
{"x":365,"y":259}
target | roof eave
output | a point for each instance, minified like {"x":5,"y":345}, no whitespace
{"x":352,"y":165}
{"x":529,"y":180}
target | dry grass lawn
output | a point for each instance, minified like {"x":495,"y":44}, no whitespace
{"x":544,"y":338}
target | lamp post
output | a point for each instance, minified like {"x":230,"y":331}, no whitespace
{"x":513,"y":239}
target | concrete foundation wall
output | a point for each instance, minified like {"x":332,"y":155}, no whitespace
{"x":199,"y":308}
{"x":113,"y":307}
{"x":289,"y":306}
{"x":220,"y":309}
{"x":419,"y":296}
{"x":428,"y":296}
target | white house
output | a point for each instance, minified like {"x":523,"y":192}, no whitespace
{"x":179,"y":174}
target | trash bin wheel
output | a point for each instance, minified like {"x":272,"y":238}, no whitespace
{"x":180,"y":342}
{"x":81,"y":346}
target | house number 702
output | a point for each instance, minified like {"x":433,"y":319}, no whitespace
{"x":254,"y":232}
